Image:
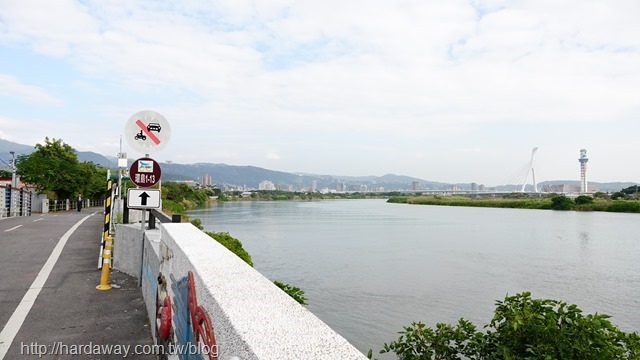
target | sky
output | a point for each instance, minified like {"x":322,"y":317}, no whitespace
{"x":452,"y":91}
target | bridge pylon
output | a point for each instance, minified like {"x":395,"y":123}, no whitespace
{"x":532,"y":172}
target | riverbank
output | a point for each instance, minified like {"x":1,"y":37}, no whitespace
{"x":522,"y":201}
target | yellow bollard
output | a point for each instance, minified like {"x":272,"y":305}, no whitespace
{"x":106,"y":266}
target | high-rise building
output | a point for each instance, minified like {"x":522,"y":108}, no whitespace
{"x":314,"y":186}
{"x":415,"y":186}
{"x":205,"y":181}
{"x":266,"y":185}
{"x":583,"y":171}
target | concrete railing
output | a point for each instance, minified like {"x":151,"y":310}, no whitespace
{"x":250,"y":317}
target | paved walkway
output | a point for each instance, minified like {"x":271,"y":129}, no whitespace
{"x":67,"y":317}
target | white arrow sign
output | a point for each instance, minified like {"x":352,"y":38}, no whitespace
{"x":143,"y":198}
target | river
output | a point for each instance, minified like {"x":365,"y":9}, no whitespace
{"x":369,"y":267}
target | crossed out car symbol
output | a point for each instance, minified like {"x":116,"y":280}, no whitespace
{"x":154,"y":127}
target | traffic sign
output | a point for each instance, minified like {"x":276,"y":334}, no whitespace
{"x":143,"y":198}
{"x":145,"y":172}
{"x":147,"y":131}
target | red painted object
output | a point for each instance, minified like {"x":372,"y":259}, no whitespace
{"x":200,"y":321}
{"x":165,"y":319}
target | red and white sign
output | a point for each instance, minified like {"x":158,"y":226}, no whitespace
{"x":147,"y":131}
{"x":145,"y":172}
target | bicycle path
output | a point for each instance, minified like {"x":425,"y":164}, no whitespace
{"x":49,"y":305}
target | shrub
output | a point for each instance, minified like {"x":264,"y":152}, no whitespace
{"x":629,"y":206}
{"x":234,"y":245}
{"x":296,"y":293}
{"x":619,"y":195}
{"x":584,"y":200}
{"x":521,"y":328}
{"x":561,"y":203}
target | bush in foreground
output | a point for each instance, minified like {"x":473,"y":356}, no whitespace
{"x":522,"y":328}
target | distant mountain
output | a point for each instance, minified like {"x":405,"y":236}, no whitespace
{"x":251,"y":176}
{"x":7,"y":146}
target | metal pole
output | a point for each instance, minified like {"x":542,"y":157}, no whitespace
{"x":144,"y":213}
{"x":13,"y":170}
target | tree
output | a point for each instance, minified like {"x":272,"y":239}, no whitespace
{"x":521,"y":328}
{"x":584,"y":200}
{"x":561,"y":202}
{"x":631,"y":190}
{"x":619,"y":195}
{"x":94,"y":184}
{"x":54,"y":167}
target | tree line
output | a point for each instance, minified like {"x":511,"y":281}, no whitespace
{"x":53,"y":168}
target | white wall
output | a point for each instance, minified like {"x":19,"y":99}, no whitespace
{"x":251,"y":317}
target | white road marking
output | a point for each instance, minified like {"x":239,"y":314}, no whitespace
{"x":13,"y":228}
{"x":20,"y":314}
{"x":38,"y":219}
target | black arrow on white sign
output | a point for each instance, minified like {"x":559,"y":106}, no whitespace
{"x":144,"y":196}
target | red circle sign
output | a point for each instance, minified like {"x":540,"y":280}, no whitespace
{"x":145,"y":172}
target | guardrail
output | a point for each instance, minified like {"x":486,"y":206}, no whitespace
{"x":15,"y":202}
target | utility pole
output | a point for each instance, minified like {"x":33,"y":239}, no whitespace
{"x":122,"y":165}
{"x":14,"y":183}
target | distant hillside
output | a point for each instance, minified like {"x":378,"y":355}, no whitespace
{"x":7,"y":146}
{"x":251,"y":176}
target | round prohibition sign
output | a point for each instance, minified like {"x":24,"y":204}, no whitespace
{"x":147,"y":131}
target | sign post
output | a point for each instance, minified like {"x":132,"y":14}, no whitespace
{"x":145,"y":131}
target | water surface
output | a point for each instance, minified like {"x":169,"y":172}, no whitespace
{"x":369,"y":268}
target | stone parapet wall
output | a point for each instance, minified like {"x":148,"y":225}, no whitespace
{"x":251,"y":318}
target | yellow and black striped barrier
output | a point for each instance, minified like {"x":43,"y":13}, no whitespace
{"x":106,"y":265}
{"x":107,"y":221}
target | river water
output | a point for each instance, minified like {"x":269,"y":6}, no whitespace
{"x":369,"y":267}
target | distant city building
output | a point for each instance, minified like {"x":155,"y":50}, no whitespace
{"x":474,"y":186}
{"x":415,"y":186}
{"x":340,"y":186}
{"x":481,"y":187}
{"x":572,"y":188}
{"x":266,"y":185}
{"x":206,"y":181}
{"x":583,"y":170}
{"x":314,"y":186}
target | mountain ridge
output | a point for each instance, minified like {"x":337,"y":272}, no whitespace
{"x":249,"y":176}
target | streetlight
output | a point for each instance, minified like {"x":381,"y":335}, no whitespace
{"x":13,"y":169}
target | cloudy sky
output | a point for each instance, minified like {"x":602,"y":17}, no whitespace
{"x":449,"y":90}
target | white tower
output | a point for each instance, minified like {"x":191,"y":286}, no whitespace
{"x":583,"y":170}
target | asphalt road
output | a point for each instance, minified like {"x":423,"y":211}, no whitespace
{"x":68,"y":311}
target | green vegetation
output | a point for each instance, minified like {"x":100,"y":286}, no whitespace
{"x":521,"y":328}
{"x":631,"y":190}
{"x":234,"y":245}
{"x":598,"y":202}
{"x":280,"y":195}
{"x":178,"y":197}
{"x":54,"y":168}
{"x":294,"y":292}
